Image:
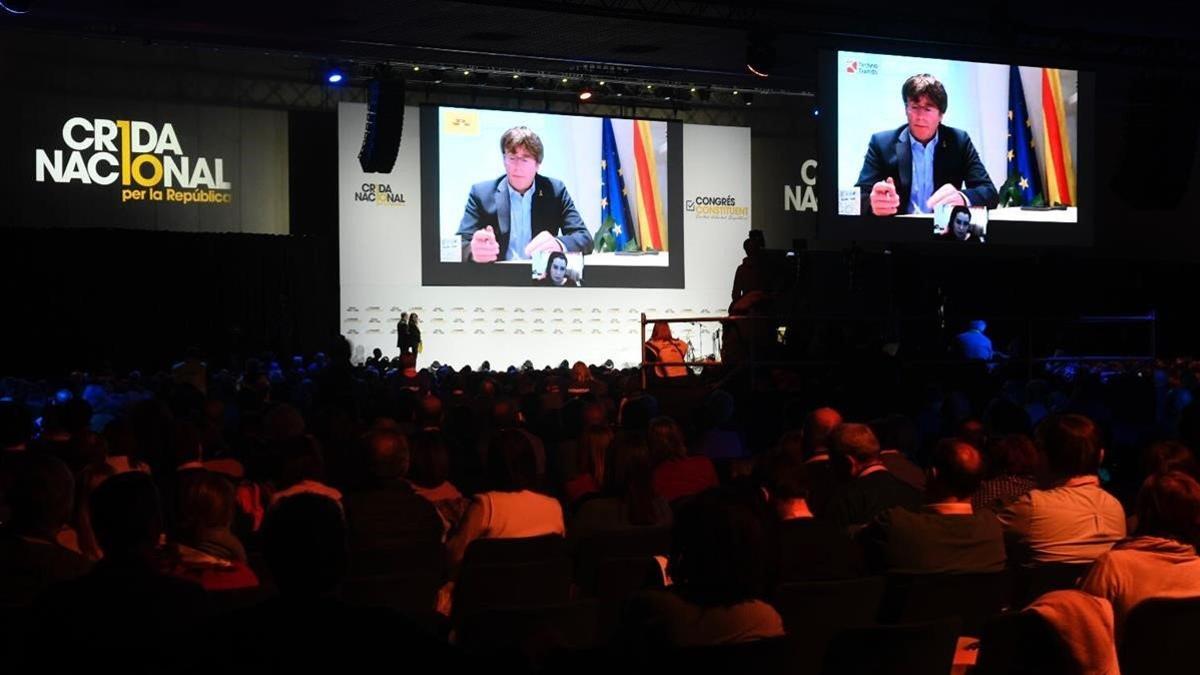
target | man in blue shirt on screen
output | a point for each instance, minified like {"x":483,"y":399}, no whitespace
{"x":923,"y":164}
{"x":522,"y":212}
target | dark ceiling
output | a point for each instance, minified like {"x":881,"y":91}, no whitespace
{"x":671,"y":40}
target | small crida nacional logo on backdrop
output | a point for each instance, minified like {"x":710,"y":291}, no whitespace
{"x":140,"y":161}
{"x":379,"y":194}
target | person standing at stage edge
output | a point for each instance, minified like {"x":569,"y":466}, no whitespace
{"x":414,"y":335}
{"x":402,"y":332}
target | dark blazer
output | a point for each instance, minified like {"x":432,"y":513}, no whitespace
{"x":906,"y":540}
{"x":860,"y":500}
{"x":552,"y":211}
{"x":955,"y":161}
{"x":389,"y":515}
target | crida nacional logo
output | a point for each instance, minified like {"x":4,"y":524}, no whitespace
{"x":380,"y":194}
{"x":716,"y":206}
{"x":144,"y":159}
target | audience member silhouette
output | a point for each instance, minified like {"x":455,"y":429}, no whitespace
{"x":718,"y":565}
{"x":307,"y":628}
{"x":945,"y":535}
{"x":810,"y":549}
{"x":126,"y":594}
{"x":1072,"y":519}
{"x":31,"y":560}
{"x":871,"y":488}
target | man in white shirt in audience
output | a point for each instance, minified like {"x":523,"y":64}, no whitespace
{"x":1073,"y":520}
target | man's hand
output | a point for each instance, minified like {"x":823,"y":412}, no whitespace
{"x":947,"y":194}
{"x":484,"y":247}
{"x":544,"y":241}
{"x":884,"y":200}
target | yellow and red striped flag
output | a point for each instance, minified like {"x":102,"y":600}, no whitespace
{"x":651,"y":224}
{"x":1056,"y":144}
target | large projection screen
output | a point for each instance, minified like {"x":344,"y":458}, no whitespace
{"x":382,"y":236}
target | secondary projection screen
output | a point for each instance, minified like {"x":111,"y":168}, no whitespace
{"x":959,"y":151}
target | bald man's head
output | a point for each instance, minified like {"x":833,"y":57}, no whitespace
{"x":505,"y":413}
{"x":817,"y":428}
{"x":430,"y":412}
{"x":957,"y":469}
{"x":387,"y":454}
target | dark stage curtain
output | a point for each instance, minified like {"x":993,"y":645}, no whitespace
{"x":85,"y":298}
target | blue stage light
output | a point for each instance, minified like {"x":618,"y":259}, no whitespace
{"x":334,"y":76}
{"x":16,"y":6}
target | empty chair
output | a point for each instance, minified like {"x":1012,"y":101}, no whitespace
{"x":593,"y":550}
{"x":1022,"y":643}
{"x":616,"y":580}
{"x":813,"y":612}
{"x":410,"y":592}
{"x":266,"y":582}
{"x":1030,"y":582}
{"x":619,"y":577}
{"x":236,"y":599}
{"x":903,"y":649}
{"x":426,"y":558}
{"x":841,"y":604}
{"x":511,"y":585}
{"x":518,"y":550}
{"x":766,"y":656}
{"x":526,"y":637}
{"x":1156,"y":634}
{"x":403,"y":579}
{"x":974,"y":598}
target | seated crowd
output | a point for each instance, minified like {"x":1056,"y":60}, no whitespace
{"x":318,"y":515}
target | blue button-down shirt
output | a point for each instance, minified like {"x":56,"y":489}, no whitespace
{"x":520,"y":219}
{"x":922,"y":174}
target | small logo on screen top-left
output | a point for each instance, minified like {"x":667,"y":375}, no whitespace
{"x":854,"y":66}
{"x":460,"y":122}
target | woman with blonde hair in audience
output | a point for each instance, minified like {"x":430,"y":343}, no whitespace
{"x":86,"y":483}
{"x":676,"y":475}
{"x":205,"y":549}
{"x":429,"y":476}
{"x":627,"y":502}
{"x":590,"y":459}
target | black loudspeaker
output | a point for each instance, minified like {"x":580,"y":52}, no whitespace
{"x":385,"y":123}
{"x":1159,"y":138}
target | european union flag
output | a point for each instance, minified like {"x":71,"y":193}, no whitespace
{"x":616,"y":230}
{"x":1024,"y":184}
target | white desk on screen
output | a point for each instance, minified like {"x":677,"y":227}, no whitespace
{"x":1016,"y":213}
{"x":662,"y":259}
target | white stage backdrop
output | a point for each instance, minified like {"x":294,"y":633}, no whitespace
{"x":381,"y":265}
